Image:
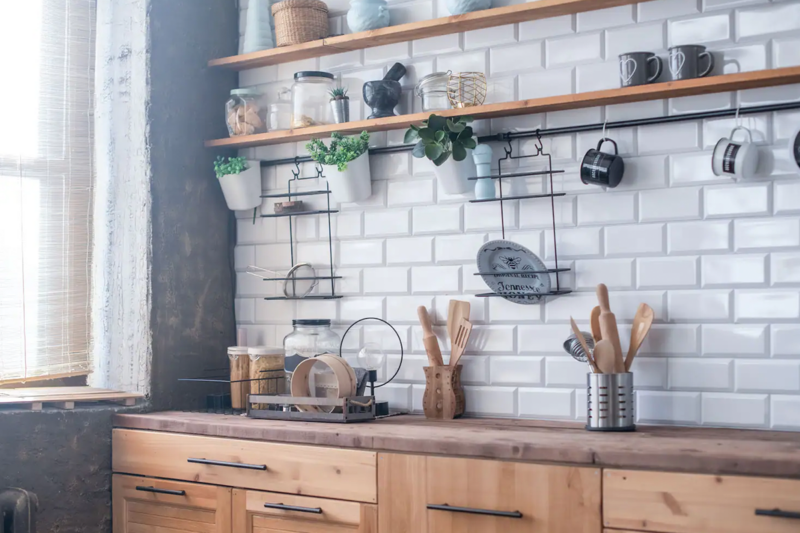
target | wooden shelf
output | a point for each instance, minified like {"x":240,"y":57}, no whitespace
{"x":488,"y":18}
{"x":655,"y":91}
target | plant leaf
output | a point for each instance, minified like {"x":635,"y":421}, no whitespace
{"x":435,"y":122}
{"x":466,"y":120}
{"x":426,"y":134}
{"x":455,"y":127}
{"x":433,"y":151}
{"x":419,"y":150}
{"x":411,"y":135}
{"x":439,"y":161}
{"x":440,"y":136}
{"x":469,"y":143}
{"x":459,"y":152}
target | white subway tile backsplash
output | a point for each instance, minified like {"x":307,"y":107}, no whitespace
{"x":669,"y":204}
{"x":666,"y":272}
{"x":661,"y":9}
{"x":542,"y":339}
{"x":505,"y":59}
{"x":786,"y":52}
{"x":357,"y":253}
{"x":546,"y":83}
{"x":492,"y":339}
{"x":644,"y":239}
{"x":671,"y":339}
{"x":387,"y":223}
{"x":615,"y":273}
{"x":548,"y":27}
{"x":785,"y":268}
{"x":726,"y":409}
{"x":648,"y":37}
{"x":700,"y":30}
{"x":667,"y":407}
{"x":787,"y":197}
{"x":767,"y":20}
{"x":785,"y":412}
{"x":693,"y":169}
{"x":436,"y":45}
{"x":785,"y":340}
{"x":606,"y":208}
{"x":699,"y":305}
{"x":767,"y":304}
{"x":546,"y":403}
{"x":694,"y":237}
{"x":766,"y":233}
{"x":745,"y":269}
{"x":386,"y":280}
{"x":490,"y":37}
{"x":437,"y":219}
{"x":487,"y":216}
{"x":408,"y":251}
{"x":581,"y":48}
{"x":597,"y":76}
{"x":537,"y":212}
{"x":458,"y":248}
{"x":486,"y":401}
{"x":668,"y":138}
{"x":737,"y":200}
{"x":515,"y":370}
{"x":767,"y":376}
{"x":738,"y":340}
{"x":574,"y":242}
{"x":435,"y":279}
{"x":650,"y":373}
{"x":463,"y":62}
{"x":566,"y":372}
{"x":605,"y":18}
{"x":700,"y":374}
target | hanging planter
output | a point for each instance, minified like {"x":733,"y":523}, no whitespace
{"x":446,"y":141}
{"x":346,"y":166}
{"x":240,"y":181}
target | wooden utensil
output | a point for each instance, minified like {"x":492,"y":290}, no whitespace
{"x":605,"y":356}
{"x":608,"y":322}
{"x":589,"y":355}
{"x":595,"y":323}
{"x":458,"y":309}
{"x":641,"y":327}
{"x":459,"y":343}
{"x":429,"y":338}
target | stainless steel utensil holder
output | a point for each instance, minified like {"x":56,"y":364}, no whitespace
{"x":610,"y":402}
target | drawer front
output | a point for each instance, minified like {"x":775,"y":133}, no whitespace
{"x":267,"y":512}
{"x":697,"y":503}
{"x":143,"y":505}
{"x":293,"y":469}
{"x":478,"y":496}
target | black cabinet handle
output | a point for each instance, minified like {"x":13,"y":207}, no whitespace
{"x":470,"y":510}
{"x":162,"y":491}
{"x":225,"y":463}
{"x":777,"y":513}
{"x":315,"y":510}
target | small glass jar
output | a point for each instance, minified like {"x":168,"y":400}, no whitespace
{"x":245,"y":113}
{"x":280,"y":112}
{"x":310,"y":98}
{"x":433,"y":91}
{"x":308,"y":339}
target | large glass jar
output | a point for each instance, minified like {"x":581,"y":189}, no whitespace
{"x":245,"y":113}
{"x":311,"y":98}
{"x":308,"y":339}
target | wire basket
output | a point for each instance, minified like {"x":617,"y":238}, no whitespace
{"x":466,"y":89}
{"x":300,"y":21}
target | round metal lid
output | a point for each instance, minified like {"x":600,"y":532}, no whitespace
{"x":312,"y":74}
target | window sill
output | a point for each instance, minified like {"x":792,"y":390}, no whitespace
{"x":65,"y":398}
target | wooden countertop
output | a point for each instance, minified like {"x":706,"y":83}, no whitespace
{"x":701,"y":450}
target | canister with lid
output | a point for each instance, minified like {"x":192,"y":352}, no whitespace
{"x":310,"y":98}
{"x":240,"y":376}
{"x":433,"y":91}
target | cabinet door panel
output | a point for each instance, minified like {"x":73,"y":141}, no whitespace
{"x":146,"y":505}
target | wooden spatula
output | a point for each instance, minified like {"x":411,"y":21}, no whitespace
{"x":587,"y":351}
{"x":429,"y":338}
{"x":608,"y":322}
{"x":605,"y":356}
{"x":460,"y":340}
{"x":641,"y":327}
{"x":458,"y":309}
{"x":595,"y":323}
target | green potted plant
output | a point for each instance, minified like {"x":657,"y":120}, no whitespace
{"x":340,"y":104}
{"x":446,"y":142}
{"x":346,"y":165}
{"x":240,"y":181}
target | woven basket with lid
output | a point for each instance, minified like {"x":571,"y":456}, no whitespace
{"x":300,"y":21}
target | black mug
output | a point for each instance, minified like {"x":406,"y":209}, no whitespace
{"x":634,"y":68}
{"x":600,"y":168}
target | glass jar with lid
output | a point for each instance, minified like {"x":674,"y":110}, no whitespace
{"x":309,"y":338}
{"x":245,"y":113}
{"x":310,"y":98}
{"x":280,"y":112}
{"x":433,"y":91}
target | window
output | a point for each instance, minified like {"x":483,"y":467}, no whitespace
{"x":46,"y":178}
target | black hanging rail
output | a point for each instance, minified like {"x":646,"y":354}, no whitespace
{"x":770,"y":108}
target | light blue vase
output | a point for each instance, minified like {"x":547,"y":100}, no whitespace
{"x":484,"y":188}
{"x":367,"y":15}
{"x":459,"y":7}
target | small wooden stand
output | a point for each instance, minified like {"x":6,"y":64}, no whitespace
{"x":444,"y":397}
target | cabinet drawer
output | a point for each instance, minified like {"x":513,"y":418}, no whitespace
{"x":478,"y":496}
{"x":696,"y":503}
{"x":312,"y":470}
{"x":267,"y":512}
{"x":143,"y":505}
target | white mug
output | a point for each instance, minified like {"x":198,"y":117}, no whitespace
{"x":794,"y":147}
{"x":736,"y":159}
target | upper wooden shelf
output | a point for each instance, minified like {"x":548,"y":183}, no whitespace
{"x":655,"y":91}
{"x":539,"y":9}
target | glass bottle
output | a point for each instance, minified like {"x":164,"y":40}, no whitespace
{"x":310,"y":98}
{"x":309,"y":338}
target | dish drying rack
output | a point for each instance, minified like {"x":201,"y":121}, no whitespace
{"x":539,"y":152}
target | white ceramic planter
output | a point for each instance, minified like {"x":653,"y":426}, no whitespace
{"x":243,"y":191}
{"x":452,"y":175}
{"x":352,"y":185}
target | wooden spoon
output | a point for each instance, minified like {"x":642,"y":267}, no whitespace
{"x":587,"y":351}
{"x":595,"y":322}
{"x":641,"y":327}
{"x":605,"y":356}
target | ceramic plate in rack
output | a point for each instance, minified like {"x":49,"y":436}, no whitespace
{"x":498,"y":257}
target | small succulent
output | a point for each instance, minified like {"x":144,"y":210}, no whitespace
{"x":339,"y":93}
{"x":341,"y":151}
{"x":441,"y":137}
{"x":234,"y":165}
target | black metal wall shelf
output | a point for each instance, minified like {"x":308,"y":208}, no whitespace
{"x":525,"y":273}
{"x":309,"y":297}
{"x":304,"y":278}
{"x":301,"y":213}
{"x":523,"y":197}
{"x":557,"y":292}
{"x":291,"y":194}
{"x":518,"y":175}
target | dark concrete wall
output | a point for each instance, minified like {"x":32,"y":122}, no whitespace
{"x":192,"y":317}
{"x":65,"y":456}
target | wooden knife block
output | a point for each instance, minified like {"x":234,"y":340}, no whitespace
{"x":444,"y":397}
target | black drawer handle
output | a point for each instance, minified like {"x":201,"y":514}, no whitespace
{"x":315,"y":510}
{"x":162,"y":491}
{"x":225,"y":463}
{"x":470,"y":510}
{"x":777,"y":513}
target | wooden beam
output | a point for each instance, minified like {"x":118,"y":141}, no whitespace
{"x":655,"y":91}
{"x":476,"y":20}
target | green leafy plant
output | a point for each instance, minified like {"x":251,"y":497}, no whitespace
{"x":339,"y":93}
{"x":440,"y":137}
{"x":234,"y":165}
{"x":341,"y":151}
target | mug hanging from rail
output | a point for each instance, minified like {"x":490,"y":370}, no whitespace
{"x":600,"y":168}
{"x":735,"y":159}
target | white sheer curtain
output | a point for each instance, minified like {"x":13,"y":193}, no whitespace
{"x":46,"y":181}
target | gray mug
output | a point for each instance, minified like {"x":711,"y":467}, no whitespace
{"x":684,"y":61}
{"x":634,"y":68}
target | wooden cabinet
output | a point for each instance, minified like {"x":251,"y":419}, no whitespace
{"x":145,"y":505}
{"x":696,"y":503}
{"x":453,"y":495}
{"x":268,"y":512}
